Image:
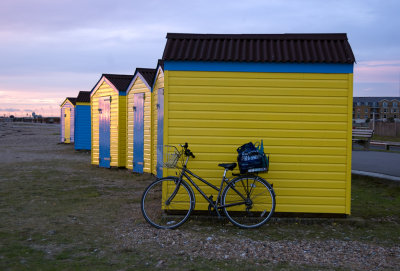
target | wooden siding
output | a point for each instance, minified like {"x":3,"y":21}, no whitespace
{"x":102,"y":91}
{"x":159,"y":83}
{"x":68,"y":104}
{"x":139,"y":87}
{"x":304,"y":120}
{"x":82,"y":126}
{"x":122,"y":132}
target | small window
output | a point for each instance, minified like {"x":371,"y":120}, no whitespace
{"x":385,"y":104}
{"x":358,"y":116}
{"x":385,"y":110}
{"x":365,"y":116}
{"x":384,"y":116}
{"x":366,"y":110}
{"x":395,"y":104}
{"x":359,"y":103}
{"x":366,"y":103}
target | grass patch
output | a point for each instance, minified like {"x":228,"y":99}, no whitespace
{"x":375,"y":198}
{"x":386,"y":138}
{"x":62,"y":213}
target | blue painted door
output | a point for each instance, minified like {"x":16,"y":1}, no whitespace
{"x":160,"y":131}
{"x":138,"y":132}
{"x":104,"y":132}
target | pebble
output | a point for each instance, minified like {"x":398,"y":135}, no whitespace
{"x":345,"y":254}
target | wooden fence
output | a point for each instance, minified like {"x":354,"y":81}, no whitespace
{"x":391,"y":129}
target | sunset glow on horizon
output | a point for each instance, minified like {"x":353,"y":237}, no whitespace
{"x":51,"y":50}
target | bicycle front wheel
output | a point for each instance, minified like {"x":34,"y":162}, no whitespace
{"x":249,"y":201}
{"x":165,"y":205}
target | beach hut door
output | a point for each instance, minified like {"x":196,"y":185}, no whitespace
{"x":138,"y":132}
{"x":160,"y":131}
{"x":104,"y":132}
{"x":67,"y":122}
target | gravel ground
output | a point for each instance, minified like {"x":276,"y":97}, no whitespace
{"x":346,"y":254}
{"x":28,"y":142}
{"x":35,"y":142}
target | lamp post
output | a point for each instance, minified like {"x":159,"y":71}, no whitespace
{"x":373,"y":120}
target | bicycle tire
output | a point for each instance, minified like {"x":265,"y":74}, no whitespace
{"x":167,"y":216}
{"x":256,"y":205}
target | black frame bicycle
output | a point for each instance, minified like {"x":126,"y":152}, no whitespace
{"x":248,"y":201}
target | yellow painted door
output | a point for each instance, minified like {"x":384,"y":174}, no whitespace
{"x":67,"y":127}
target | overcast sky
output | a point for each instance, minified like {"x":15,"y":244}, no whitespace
{"x":51,"y":49}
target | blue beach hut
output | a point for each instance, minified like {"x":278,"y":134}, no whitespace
{"x":83,"y":121}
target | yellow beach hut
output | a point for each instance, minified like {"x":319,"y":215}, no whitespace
{"x":157,"y":117}
{"x":108,"y":116}
{"x":139,"y":143}
{"x":68,"y":120}
{"x":293,"y":91}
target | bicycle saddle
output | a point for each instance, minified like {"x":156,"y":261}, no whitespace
{"x":229,"y":166}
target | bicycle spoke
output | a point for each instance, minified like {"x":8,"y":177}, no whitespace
{"x":252,"y":185}
{"x":245,"y":188}
{"x":166,"y":205}
{"x":256,"y":209}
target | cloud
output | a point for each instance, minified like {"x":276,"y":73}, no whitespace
{"x":378,"y":71}
{"x":10,"y":110}
{"x":52,"y":49}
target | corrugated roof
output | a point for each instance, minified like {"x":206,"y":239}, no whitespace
{"x":120,"y":81}
{"x":299,"y":48}
{"x":83,"y":97}
{"x":148,"y":74}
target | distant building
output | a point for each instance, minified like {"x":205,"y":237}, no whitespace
{"x":384,"y":109}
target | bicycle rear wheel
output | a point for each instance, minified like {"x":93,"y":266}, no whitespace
{"x":166,"y":206}
{"x":249,"y":201}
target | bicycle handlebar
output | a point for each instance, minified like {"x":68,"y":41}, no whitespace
{"x":187,"y":151}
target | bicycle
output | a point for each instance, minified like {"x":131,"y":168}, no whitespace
{"x":248,"y":201}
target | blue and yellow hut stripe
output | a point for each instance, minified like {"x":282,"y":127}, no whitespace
{"x":293,"y":91}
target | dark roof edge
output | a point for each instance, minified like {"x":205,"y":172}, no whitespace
{"x":144,"y":70}
{"x":160,"y":64}
{"x":112,"y":74}
{"x":91,"y":91}
{"x":71,"y":99}
{"x":83,"y":97}
{"x":115,"y":80}
{"x":288,"y":36}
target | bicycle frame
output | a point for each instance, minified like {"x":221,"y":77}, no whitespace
{"x":217,"y":205}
